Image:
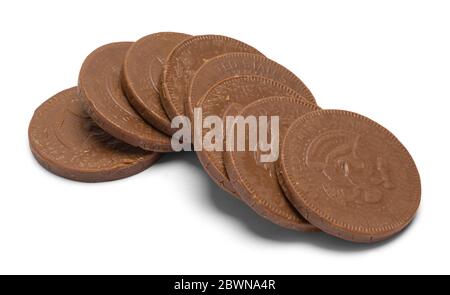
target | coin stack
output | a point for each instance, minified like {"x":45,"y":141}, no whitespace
{"x":334,"y":171}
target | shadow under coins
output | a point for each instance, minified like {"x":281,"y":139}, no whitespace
{"x":188,"y":157}
{"x":228,"y":205}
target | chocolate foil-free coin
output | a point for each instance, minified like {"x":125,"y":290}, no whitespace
{"x":66,"y":141}
{"x":349,"y":176}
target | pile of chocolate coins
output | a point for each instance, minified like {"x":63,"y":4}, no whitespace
{"x":335,"y":171}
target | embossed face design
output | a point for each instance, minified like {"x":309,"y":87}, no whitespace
{"x":347,"y":177}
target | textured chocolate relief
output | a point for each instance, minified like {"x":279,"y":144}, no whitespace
{"x":347,"y":176}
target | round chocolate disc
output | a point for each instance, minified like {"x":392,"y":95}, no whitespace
{"x":100,"y":88}
{"x":185,"y":59}
{"x":349,"y":176}
{"x":243,"y":90}
{"x":66,"y":141}
{"x":240,"y":64}
{"x":141,"y":76}
{"x":255,"y":179}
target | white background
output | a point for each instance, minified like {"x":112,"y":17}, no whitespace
{"x":389,"y":60}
